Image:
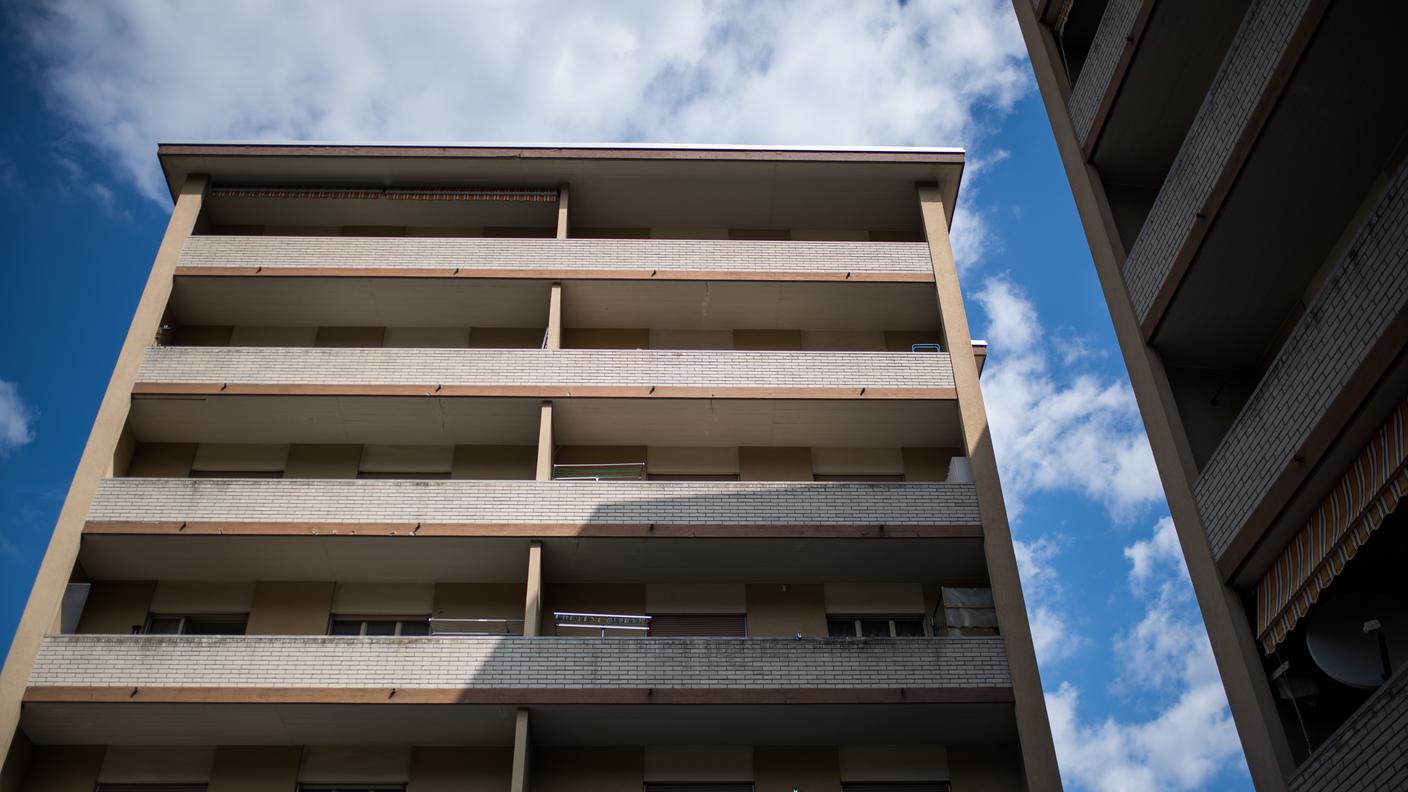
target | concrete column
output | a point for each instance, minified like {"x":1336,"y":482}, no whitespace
{"x":545,"y":442}
{"x":519,"y":781}
{"x":554,"y":335}
{"x":42,"y":609}
{"x":1033,"y":728}
{"x":562,"y":196}
{"x":533,"y":601}
{"x":1253,"y":704}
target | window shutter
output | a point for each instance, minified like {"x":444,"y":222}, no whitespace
{"x":896,"y":787}
{"x":690,"y":625}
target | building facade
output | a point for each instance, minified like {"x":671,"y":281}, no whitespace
{"x":1239,"y":171}
{"x":511,"y":468}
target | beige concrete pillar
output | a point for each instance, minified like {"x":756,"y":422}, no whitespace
{"x":522,"y":761}
{"x":42,"y":608}
{"x":533,"y":601}
{"x":1033,"y":728}
{"x":554,"y":334}
{"x":562,"y":196}
{"x":545,"y":442}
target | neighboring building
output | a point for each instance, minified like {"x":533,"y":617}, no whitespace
{"x":403,"y":449}
{"x":1239,"y":169}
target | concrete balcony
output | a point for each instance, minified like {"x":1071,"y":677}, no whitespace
{"x":1222,"y":121}
{"x":224,"y":690}
{"x":1356,"y":317}
{"x":173,"y":663}
{"x":1115,"y":30}
{"x":661,"y":259}
{"x":545,"y":373}
{"x":372,"y":507}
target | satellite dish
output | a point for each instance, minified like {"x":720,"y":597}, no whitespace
{"x":1341,"y":647}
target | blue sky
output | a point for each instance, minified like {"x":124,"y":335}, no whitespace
{"x":88,"y":91}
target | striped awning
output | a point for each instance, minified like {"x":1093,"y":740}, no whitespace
{"x":1367,"y":493}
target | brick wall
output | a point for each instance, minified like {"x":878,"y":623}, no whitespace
{"x":563,"y":367}
{"x":1228,"y":106}
{"x":1362,"y":295}
{"x":585,"y":254}
{"x":1369,"y":753}
{"x":1099,"y":68}
{"x":517,"y":662}
{"x":572,"y":502}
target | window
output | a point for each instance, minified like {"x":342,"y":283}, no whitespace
{"x":196,"y":624}
{"x":858,"y":477}
{"x":875,"y":626}
{"x":380,"y":626}
{"x":698,"y":625}
{"x":693,"y":476}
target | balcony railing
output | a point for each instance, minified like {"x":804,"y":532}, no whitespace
{"x":665,"y":257}
{"x":100,"y":661}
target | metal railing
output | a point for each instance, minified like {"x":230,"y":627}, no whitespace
{"x":602,"y":621}
{"x":452,"y":627}
{"x":615,"y":471}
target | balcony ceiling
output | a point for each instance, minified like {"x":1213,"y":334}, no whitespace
{"x":611,"y":187}
{"x":476,"y":302}
{"x":403,"y":559}
{"x":411,"y":420}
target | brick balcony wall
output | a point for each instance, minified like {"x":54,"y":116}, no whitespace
{"x":1365,"y":292}
{"x":665,"y":255}
{"x":1369,"y":753}
{"x":1240,"y":82}
{"x":517,"y":662}
{"x":534,"y":502}
{"x":1094,"y":81}
{"x":558,"y":367}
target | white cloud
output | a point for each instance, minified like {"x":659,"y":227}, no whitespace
{"x":128,"y":74}
{"x":1054,"y":637}
{"x":1083,"y":434}
{"x":1188,"y":741}
{"x":1146,"y":556}
{"x":15,"y":418}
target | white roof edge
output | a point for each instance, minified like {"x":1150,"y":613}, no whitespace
{"x":648,"y":146}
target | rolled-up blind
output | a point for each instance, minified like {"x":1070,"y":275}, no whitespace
{"x":738,"y":787}
{"x":693,"y":625}
{"x":896,"y":787}
{"x":151,"y":787}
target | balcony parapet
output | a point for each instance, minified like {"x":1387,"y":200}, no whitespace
{"x":546,"y":373}
{"x":1355,"y":311}
{"x":1111,"y":37}
{"x":1226,"y":116}
{"x":532,"y":508}
{"x":131,"y":664}
{"x":660,"y":259}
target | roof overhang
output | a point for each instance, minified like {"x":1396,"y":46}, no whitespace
{"x":861,"y":175}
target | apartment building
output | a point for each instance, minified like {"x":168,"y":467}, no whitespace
{"x":1239,"y":169}
{"x":508,"y":468}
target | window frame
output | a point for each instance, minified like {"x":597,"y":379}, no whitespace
{"x":400,"y":621}
{"x":891,"y":618}
{"x":184,"y":620}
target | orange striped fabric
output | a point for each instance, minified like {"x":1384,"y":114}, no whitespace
{"x":1354,"y":509}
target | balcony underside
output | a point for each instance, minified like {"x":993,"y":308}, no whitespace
{"x":500,"y":559}
{"x":334,"y":299}
{"x":126,"y":723}
{"x":432,"y":420}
